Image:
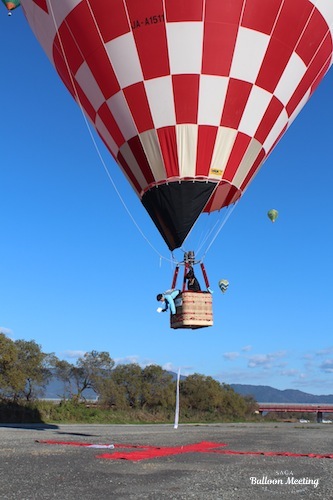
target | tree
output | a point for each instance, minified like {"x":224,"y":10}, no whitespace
{"x":233,"y":405}
{"x":158,"y":388}
{"x":113,"y":395}
{"x":63,"y":371}
{"x":24,"y":368}
{"x":202,"y":393}
{"x":35,"y":366}
{"x":91,"y":370}
{"x":12,"y":379}
{"x":129,"y":377}
{"x":251,"y":406}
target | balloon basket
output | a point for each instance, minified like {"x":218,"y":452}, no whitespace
{"x":193,"y":310}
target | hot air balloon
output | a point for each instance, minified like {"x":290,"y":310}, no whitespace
{"x":189,"y":96}
{"x":11,"y":5}
{"x":223,"y":285}
{"x":272,"y":214}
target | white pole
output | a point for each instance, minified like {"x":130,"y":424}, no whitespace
{"x":177,"y":402}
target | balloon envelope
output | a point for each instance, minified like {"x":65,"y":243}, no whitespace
{"x":273,"y":214}
{"x":11,"y":5}
{"x":223,"y":285}
{"x":189,"y":96}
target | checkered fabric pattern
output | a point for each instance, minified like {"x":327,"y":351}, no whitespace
{"x":188,"y":89}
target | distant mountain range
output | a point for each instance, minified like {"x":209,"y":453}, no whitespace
{"x":55,"y":390}
{"x":267,"y":394}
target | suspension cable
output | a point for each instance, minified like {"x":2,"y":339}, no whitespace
{"x":96,"y":147}
{"x":172,"y":260}
{"x":219,"y":230}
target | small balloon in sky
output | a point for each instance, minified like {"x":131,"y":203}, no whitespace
{"x":11,"y":5}
{"x":272,"y":214}
{"x":223,"y":284}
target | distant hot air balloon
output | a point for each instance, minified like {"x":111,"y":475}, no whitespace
{"x":223,"y":285}
{"x":273,"y":214}
{"x":189,"y":96}
{"x":11,"y":5}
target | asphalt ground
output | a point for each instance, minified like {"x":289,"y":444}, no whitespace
{"x":32,"y":469}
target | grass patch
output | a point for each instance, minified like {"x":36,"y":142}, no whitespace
{"x":73,"y":413}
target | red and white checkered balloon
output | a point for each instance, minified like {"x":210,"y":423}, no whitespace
{"x":189,"y":96}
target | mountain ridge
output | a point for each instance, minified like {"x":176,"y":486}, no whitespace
{"x":268,"y":394}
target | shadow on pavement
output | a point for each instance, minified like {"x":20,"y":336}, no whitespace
{"x":14,"y":414}
{"x":35,"y":427}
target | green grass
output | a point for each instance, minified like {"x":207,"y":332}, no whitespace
{"x":70,"y":413}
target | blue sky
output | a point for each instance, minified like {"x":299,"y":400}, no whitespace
{"x":77,"y":275}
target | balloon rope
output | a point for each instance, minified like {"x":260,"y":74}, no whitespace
{"x":219,"y":229}
{"x":207,"y":236}
{"x":96,"y":145}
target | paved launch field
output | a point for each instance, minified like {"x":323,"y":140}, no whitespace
{"x":200,"y":462}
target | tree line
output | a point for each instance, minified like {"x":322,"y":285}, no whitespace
{"x":25,"y":371}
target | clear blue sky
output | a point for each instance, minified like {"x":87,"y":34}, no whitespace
{"x":77,"y":275}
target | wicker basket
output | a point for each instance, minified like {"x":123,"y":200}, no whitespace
{"x":193,"y":310}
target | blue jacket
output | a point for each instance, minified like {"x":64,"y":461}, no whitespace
{"x":169,"y":297}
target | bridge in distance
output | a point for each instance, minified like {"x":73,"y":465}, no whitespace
{"x":319,"y":409}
